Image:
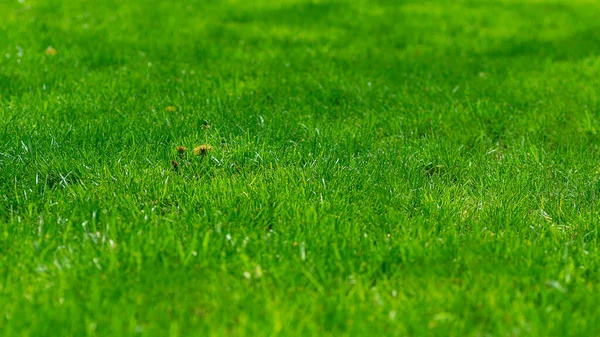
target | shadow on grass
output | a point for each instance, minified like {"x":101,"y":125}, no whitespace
{"x":577,"y":46}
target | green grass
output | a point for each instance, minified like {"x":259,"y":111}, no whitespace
{"x":379,"y":168}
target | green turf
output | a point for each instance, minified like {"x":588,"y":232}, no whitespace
{"x":379,"y":168}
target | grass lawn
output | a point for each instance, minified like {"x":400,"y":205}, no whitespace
{"x":368,"y":168}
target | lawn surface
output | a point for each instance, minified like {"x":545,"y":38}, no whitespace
{"x":378,"y":168}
